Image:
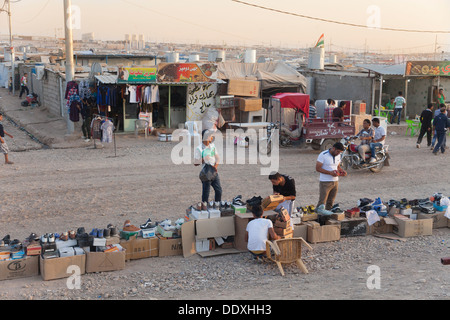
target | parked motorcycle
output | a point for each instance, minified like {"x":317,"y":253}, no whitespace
{"x":351,"y":157}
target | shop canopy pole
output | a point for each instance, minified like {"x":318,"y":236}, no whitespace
{"x":170,"y":94}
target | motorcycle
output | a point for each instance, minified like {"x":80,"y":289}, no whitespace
{"x":351,"y":157}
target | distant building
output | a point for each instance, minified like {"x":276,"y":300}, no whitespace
{"x":87,"y":37}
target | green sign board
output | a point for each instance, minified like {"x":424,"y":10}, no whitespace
{"x":428,"y":68}
{"x":137,"y":75}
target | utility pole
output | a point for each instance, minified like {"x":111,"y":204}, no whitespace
{"x":69,"y":54}
{"x":13,"y":58}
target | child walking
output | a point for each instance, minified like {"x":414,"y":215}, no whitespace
{"x":4,"y":147}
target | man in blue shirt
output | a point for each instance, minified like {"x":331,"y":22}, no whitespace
{"x":440,"y":124}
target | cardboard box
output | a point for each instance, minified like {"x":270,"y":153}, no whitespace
{"x":358,"y":119}
{"x":338,"y":216}
{"x":58,"y":268}
{"x":239,"y":209}
{"x":20,"y":268}
{"x":105,"y":261}
{"x":359,"y":108}
{"x":301,"y":231}
{"x":214,"y":213}
{"x":283,"y":231}
{"x":406,"y":228}
{"x":140,"y":248}
{"x":282,"y":224}
{"x":325,"y":233}
{"x":202,"y":230}
{"x":310,"y":217}
{"x":244,"y":88}
{"x":385,"y":225}
{"x":250,"y":104}
{"x":351,"y":227}
{"x":148,"y":233}
{"x":170,"y":247}
{"x":164,"y":233}
{"x":34,"y":250}
{"x":271,"y":202}
{"x":439,"y":219}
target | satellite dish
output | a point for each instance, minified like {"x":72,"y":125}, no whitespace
{"x":96,"y":70}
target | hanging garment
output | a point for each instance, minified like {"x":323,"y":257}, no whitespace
{"x":154,"y":93}
{"x":107,"y":131}
{"x":71,"y":88}
{"x":103,"y":96}
{"x":85,"y":90}
{"x":96,"y":131}
{"x":132,"y":92}
{"x":74,"y":111}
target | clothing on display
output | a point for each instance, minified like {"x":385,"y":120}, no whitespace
{"x":71,"y":90}
{"x":96,"y":131}
{"x":107,"y":128}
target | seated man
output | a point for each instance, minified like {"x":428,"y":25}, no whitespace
{"x":365,"y":135}
{"x":284,"y":185}
{"x":257,"y":232}
{"x":378,"y":139}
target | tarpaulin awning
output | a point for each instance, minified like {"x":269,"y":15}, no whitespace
{"x":270,"y":74}
{"x":298,"y":101}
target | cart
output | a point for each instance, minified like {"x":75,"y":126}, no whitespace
{"x":322,"y":134}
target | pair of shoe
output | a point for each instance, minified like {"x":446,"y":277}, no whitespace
{"x":238,"y":201}
{"x":113,"y":231}
{"x":254,"y":201}
{"x":364,"y":202}
{"x":48,"y":238}
{"x":336,"y":209}
{"x":311,"y":209}
{"x":201,"y":206}
{"x":322,"y":211}
{"x":6,"y":240}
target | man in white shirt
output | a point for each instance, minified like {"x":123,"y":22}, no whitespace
{"x":257,"y":232}
{"x":378,"y":139}
{"x":399,"y":102}
{"x":206,"y":154}
{"x":328,"y":165}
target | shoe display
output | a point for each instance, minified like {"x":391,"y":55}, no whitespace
{"x":336,"y":209}
{"x":364,"y":202}
{"x":322,"y":211}
{"x":94,"y":232}
{"x":6,"y":239}
{"x":148,"y":224}
{"x":100,"y":233}
{"x":107,"y":233}
{"x":311,"y":209}
{"x":51,"y":238}
{"x":72,"y":234}
{"x":44,"y":238}
{"x":64,"y":236}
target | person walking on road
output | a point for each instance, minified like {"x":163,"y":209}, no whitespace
{"x":426,"y":119}
{"x":4,"y":147}
{"x":440,"y":124}
{"x":24,"y":85}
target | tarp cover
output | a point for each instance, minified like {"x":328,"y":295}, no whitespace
{"x":270,"y":74}
{"x":299,"y":101}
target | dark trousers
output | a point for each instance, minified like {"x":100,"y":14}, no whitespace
{"x":425,"y":130}
{"x":22,"y":90}
{"x":217,"y":189}
{"x":86,"y":128}
{"x":441,"y":140}
{"x":398,"y":114}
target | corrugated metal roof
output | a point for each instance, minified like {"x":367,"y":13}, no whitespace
{"x":383,"y":69}
{"x":107,"y":78}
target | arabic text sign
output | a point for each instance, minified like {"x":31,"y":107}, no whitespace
{"x":137,"y":75}
{"x":428,"y":68}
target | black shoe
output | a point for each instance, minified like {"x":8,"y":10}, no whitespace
{"x":147,"y":225}
{"x":81,"y":230}
{"x":6,"y":239}
{"x":107,"y":233}
{"x":113,"y":230}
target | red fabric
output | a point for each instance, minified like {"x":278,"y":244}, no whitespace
{"x":299,"y":101}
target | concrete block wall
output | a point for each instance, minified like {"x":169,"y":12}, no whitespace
{"x":51,"y":96}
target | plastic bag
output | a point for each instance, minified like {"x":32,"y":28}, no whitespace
{"x":208,"y":173}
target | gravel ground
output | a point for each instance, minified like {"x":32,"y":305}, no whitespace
{"x":49,"y":190}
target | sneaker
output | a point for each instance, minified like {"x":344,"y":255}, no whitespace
{"x":311,"y":209}
{"x":51,"y":238}
{"x":204,"y":205}
{"x":336,"y":209}
{"x":32,"y":237}
{"x":94,"y":233}
{"x":107,"y":233}
{"x":44,"y":238}
{"x":112,"y":230}
{"x":72,"y":234}
{"x":372,"y":160}
{"x":6,"y":239}
{"x":147,"y":224}
{"x":99,"y":233}
{"x":377,"y":202}
{"x":64,"y":236}
{"x":418,"y":146}
{"x":322,"y":211}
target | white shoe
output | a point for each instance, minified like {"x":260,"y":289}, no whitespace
{"x":372,"y":160}
{"x":87,"y":140}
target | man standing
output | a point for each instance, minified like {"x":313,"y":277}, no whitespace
{"x":400,"y":102}
{"x":24,"y":85}
{"x":284,"y":185}
{"x":328,"y":165}
{"x":206,"y":154}
{"x":440,"y":124}
{"x":441,"y":97}
{"x":3,"y":146}
{"x":312,"y":109}
{"x":338,"y":113}
{"x":426,"y":118}
{"x":378,"y":139}
{"x":328,"y":114}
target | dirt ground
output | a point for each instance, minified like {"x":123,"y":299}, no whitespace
{"x":55,"y":190}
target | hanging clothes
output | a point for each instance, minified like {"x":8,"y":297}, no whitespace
{"x":74,"y":111}
{"x":132,"y":93}
{"x":71,"y":90}
{"x":96,"y":131}
{"x":107,"y":131}
{"x":103,"y":96}
{"x":85,"y":90}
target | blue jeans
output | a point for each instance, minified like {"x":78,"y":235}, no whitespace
{"x":433,"y":142}
{"x":397,"y":112}
{"x":217,"y":189}
{"x":373,"y":145}
{"x":441,"y":140}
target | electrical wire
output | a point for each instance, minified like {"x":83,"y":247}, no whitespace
{"x":37,"y":15}
{"x":336,"y":22}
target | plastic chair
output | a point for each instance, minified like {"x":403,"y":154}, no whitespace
{"x":192,"y":129}
{"x":141,"y":124}
{"x":413,"y":127}
{"x":287,"y":251}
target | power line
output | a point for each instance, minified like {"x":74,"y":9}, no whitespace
{"x":337,"y":22}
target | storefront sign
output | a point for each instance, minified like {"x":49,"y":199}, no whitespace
{"x":428,"y":68}
{"x":186,"y":72}
{"x":137,"y":75}
{"x":200,"y":97}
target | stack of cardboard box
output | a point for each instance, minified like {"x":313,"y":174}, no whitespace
{"x":247,"y":94}
{"x":282,"y":225}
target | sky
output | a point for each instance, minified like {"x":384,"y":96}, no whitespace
{"x":224,"y":22}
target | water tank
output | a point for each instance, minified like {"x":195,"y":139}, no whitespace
{"x":316,"y":58}
{"x":250,"y":56}
{"x":172,"y":57}
{"x":194,"y":57}
{"x":333,"y":58}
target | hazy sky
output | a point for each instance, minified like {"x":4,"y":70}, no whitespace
{"x":227,"y":22}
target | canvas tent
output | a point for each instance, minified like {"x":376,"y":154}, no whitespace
{"x":270,"y":74}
